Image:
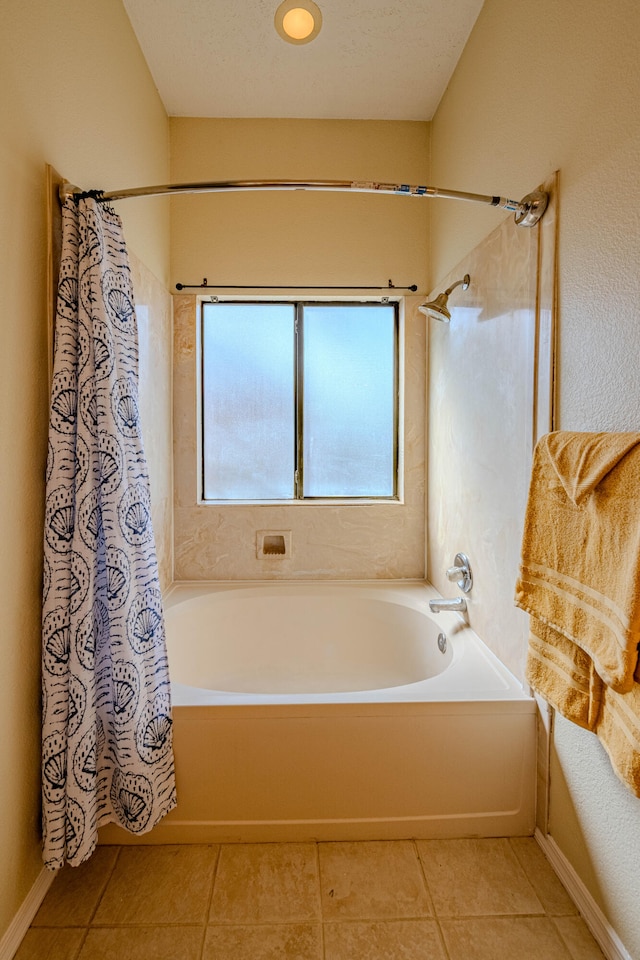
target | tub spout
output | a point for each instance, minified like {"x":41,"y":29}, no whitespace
{"x":456,"y":605}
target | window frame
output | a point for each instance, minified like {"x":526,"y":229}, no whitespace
{"x":299,"y":304}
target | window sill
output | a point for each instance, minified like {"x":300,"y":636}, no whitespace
{"x":320,"y":502}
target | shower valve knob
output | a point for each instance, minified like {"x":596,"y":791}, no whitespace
{"x":460,"y":572}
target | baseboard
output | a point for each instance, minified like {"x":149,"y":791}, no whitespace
{"x":606,"y":937}
{"x":22,"y":921}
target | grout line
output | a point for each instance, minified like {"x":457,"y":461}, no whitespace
{"x":82,"y":943}
{"x":320,"y":910}
{"x":376,"y":918}
{"x":498,"y":916}
{"x":134,"y":926}
{"x":424,"y":878}
{"x":523,"y":868}
{"x":443,"y":944}
{"x":304,"y":922}
{"x":309,"y":921}
{"x":207,"y":915}
{"x":104,"y":887}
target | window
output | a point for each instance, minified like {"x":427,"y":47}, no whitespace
{"x":299,"y":400}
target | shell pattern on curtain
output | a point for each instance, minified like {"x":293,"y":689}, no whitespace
{"x":107,"y":739}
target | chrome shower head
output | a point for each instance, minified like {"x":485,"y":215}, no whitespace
{"x":438,"y":308}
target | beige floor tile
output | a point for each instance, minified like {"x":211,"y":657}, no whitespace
{"x":383,"y":940}
{"x":275,"y":941}
{"x":266,"y":882}
{"x":552,"y":895}
{"x":46,"y":943}
{"x":471,"y":878}
{"x":578,"y":939}
{"x":143,"y":943}
{"x":522,"y":938}
{"x":159,"y":884}
{"x":73,"y":896}
{"x":374,"y":880}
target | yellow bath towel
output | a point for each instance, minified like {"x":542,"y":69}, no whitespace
{"x":580,"y":570}
{"x":618,"y":729}
{"x":580,"y":583}
{"x":564,"y":675}
{"x":582,"y":460}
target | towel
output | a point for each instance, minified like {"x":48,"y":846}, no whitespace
{"x":618,"y":729}
{"x":580,"y":582}
{"x":564,"y":674}
{"x":582,"y":460}
{"x":580,"y":570}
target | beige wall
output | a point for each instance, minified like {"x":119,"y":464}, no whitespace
{"x":298,"y":238}
{"x":544,"y":86}
{"x":63,"y":102}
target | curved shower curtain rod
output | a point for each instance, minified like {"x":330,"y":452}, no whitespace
{"x":528,"y":211}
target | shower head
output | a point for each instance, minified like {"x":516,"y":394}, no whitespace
{"x":438,"y":308}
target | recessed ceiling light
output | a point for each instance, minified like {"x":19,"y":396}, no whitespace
{"x":298,"y":21}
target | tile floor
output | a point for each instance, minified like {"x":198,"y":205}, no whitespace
{"x":494,"y":899}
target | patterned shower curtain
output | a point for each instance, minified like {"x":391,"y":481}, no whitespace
{"x":107,"y":745}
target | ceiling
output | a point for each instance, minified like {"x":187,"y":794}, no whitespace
{"x":373,"y":59}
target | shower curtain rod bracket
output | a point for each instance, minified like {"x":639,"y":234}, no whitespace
{"x":527,"y":212}
{"x":532,"y":208}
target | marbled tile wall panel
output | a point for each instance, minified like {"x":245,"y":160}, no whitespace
{"x":481,"y":423}
{"x":218,"y":542}
{"x":154,"y":316}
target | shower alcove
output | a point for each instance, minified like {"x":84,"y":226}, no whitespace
{"x":490,"y":375}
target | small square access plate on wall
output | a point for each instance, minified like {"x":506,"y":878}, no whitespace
{"x":273,"y":544}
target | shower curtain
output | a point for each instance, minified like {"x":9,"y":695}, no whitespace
{"x":106,"y":745}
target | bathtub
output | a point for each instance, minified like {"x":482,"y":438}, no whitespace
{"x":340,"y":711}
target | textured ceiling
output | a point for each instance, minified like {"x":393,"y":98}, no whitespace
{"x":373,"y":59}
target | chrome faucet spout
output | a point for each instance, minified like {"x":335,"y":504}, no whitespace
{"x":455,"y":605}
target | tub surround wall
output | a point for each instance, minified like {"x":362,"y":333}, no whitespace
{"x":298,"y":238}
{"x":154,"y":309}
{"x":218,"y":542}
{"x":490,"y":377}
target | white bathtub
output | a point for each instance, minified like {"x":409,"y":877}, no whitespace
{"x":324,"y":643}
{"x":328,"y":711}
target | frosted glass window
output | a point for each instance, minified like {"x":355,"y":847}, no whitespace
{"x":299,"y":401}
{"x":349,"y":401}
{"x":248,"y":401}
